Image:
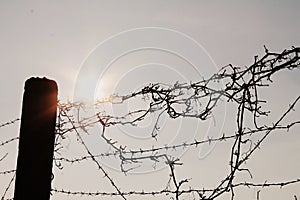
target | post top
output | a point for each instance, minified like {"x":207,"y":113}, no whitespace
{"x":41,"y":85}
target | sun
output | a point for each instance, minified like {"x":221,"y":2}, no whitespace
{"x":104,"y":88}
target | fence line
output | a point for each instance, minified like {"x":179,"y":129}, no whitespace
{"x":241,"y":87}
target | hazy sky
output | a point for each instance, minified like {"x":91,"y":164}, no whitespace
{"x":58,"y":39}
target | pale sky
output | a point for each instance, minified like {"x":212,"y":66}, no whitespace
{"x":58,"y":39}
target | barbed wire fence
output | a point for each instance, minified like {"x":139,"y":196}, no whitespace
{"x":241,"y":87}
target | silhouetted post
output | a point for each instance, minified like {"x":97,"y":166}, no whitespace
{"x":36,"y":144}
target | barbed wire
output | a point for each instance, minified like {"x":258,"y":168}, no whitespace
{"x":9,"y":122}
{"x":166,"y":191}
{"x":183,"y":145}
{"x":241,"y":86}
{"x":9,"y":141}
{"x":236,"y":85}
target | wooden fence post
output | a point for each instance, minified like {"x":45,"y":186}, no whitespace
{"x":36,"y":143}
